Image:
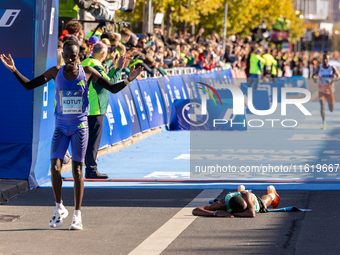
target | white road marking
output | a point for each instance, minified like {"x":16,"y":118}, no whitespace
{"x":318,"y":118}
{"x":315,"y":126}
{"x":311,"y":137}
{"x":327,"y":113}
{"x":168,"y":175}
{"x":183,"y":156}
{"x":161,"y":238}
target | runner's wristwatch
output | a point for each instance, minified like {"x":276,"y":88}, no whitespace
{"x":127,"y":82}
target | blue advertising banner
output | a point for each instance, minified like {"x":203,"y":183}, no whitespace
{"x":177,"y":87}
{"x":269,"y":87}
{"x":140,"y":107}
{"x":45,"y":57}
{"x":213,"y":78}
{"x":186,"y":81}
{"x":117,"y":124}
{"x":187,"y":115}
{"x":292,"y":82}
{"x":153,"y":84}
{"x":121,"y":110}
{"x":113,"y":123}
{"x":135,"y":127}
{"x":153,"y":108}
{"x":166,"y":96}
{"x":195,"y":85}
{"x":16,"y":19}
{"x":226,"y":76}
{"x":260,"y":98}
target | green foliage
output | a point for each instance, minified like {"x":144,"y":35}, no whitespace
{"x":243,"y":15}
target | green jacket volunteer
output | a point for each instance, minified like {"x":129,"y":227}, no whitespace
{"x":98,"y":100}
{"x":256,"y":64}
{"x":99,"y":97}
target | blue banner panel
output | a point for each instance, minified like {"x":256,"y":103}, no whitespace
{"x":193,"y":78}
{"x":167,"y":102}
{"x":135,"y":127}
{"x":260,"y":98}
{"x":17,"y":28}
{"x":46,"y":31}
{"x":140,"y":107}
{"x":213,"y":78}
{"x":195,"y":85}
{"x":125,"y":120}
{"x":45,"y":57}
{"x":187,"y":115}
{"x":15,"y":160}
{"x":186,"y":81}
{"x":153,"y":84}
{"x":177,"y":87}
{"x":292,"y":82}
{"x":16,"y":104}
{"x":113,"y":123}
{"x":120,"y":121}
{"x":269,"y":87}
{"x":43,"y":129}
{"x":42,"y":172}
{"x":153,"y":107}
{"x":226,"y":76}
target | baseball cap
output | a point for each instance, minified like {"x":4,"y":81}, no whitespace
{"x":106,"y":35}
{"x":93,"y":39}
{"x":133,"y":37}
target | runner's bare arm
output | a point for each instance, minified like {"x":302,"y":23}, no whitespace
{"x":336,"y":72}
{"x":114,"y":88}
{"x":250,"y":211}
{"x":26,"y":83}
{"x":315,"y":74}
{"x":208,"y":210}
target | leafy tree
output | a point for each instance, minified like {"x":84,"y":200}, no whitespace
{"x":243,"y":15}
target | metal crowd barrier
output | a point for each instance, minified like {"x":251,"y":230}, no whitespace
{"x":176,"y":71}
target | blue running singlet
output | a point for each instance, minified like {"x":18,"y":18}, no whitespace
{"x":71,"y":110}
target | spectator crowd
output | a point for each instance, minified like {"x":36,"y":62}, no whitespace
{"x":156,"y":52}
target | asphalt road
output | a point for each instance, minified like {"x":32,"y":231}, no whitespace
{"x":116,"y":221}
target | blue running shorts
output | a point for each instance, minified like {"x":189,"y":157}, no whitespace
{"x":65,"y":131}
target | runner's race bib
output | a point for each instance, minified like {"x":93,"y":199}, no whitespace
{"x":72,"y":101}
{"x":327,"y":80}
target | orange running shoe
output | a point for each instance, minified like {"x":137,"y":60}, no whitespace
{"x":276,"y":201}
{"x":241,"y":188}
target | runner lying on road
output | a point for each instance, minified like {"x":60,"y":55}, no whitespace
{"x":240,"y":204}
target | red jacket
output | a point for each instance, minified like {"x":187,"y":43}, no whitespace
{"x":208,"y":67}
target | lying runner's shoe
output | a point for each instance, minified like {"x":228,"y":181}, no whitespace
{"x":241,"y":188}
{"x":271,"y":190}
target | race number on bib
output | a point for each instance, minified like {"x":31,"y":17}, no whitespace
{"x":72,"y":101}
{"x":327,"y":80}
